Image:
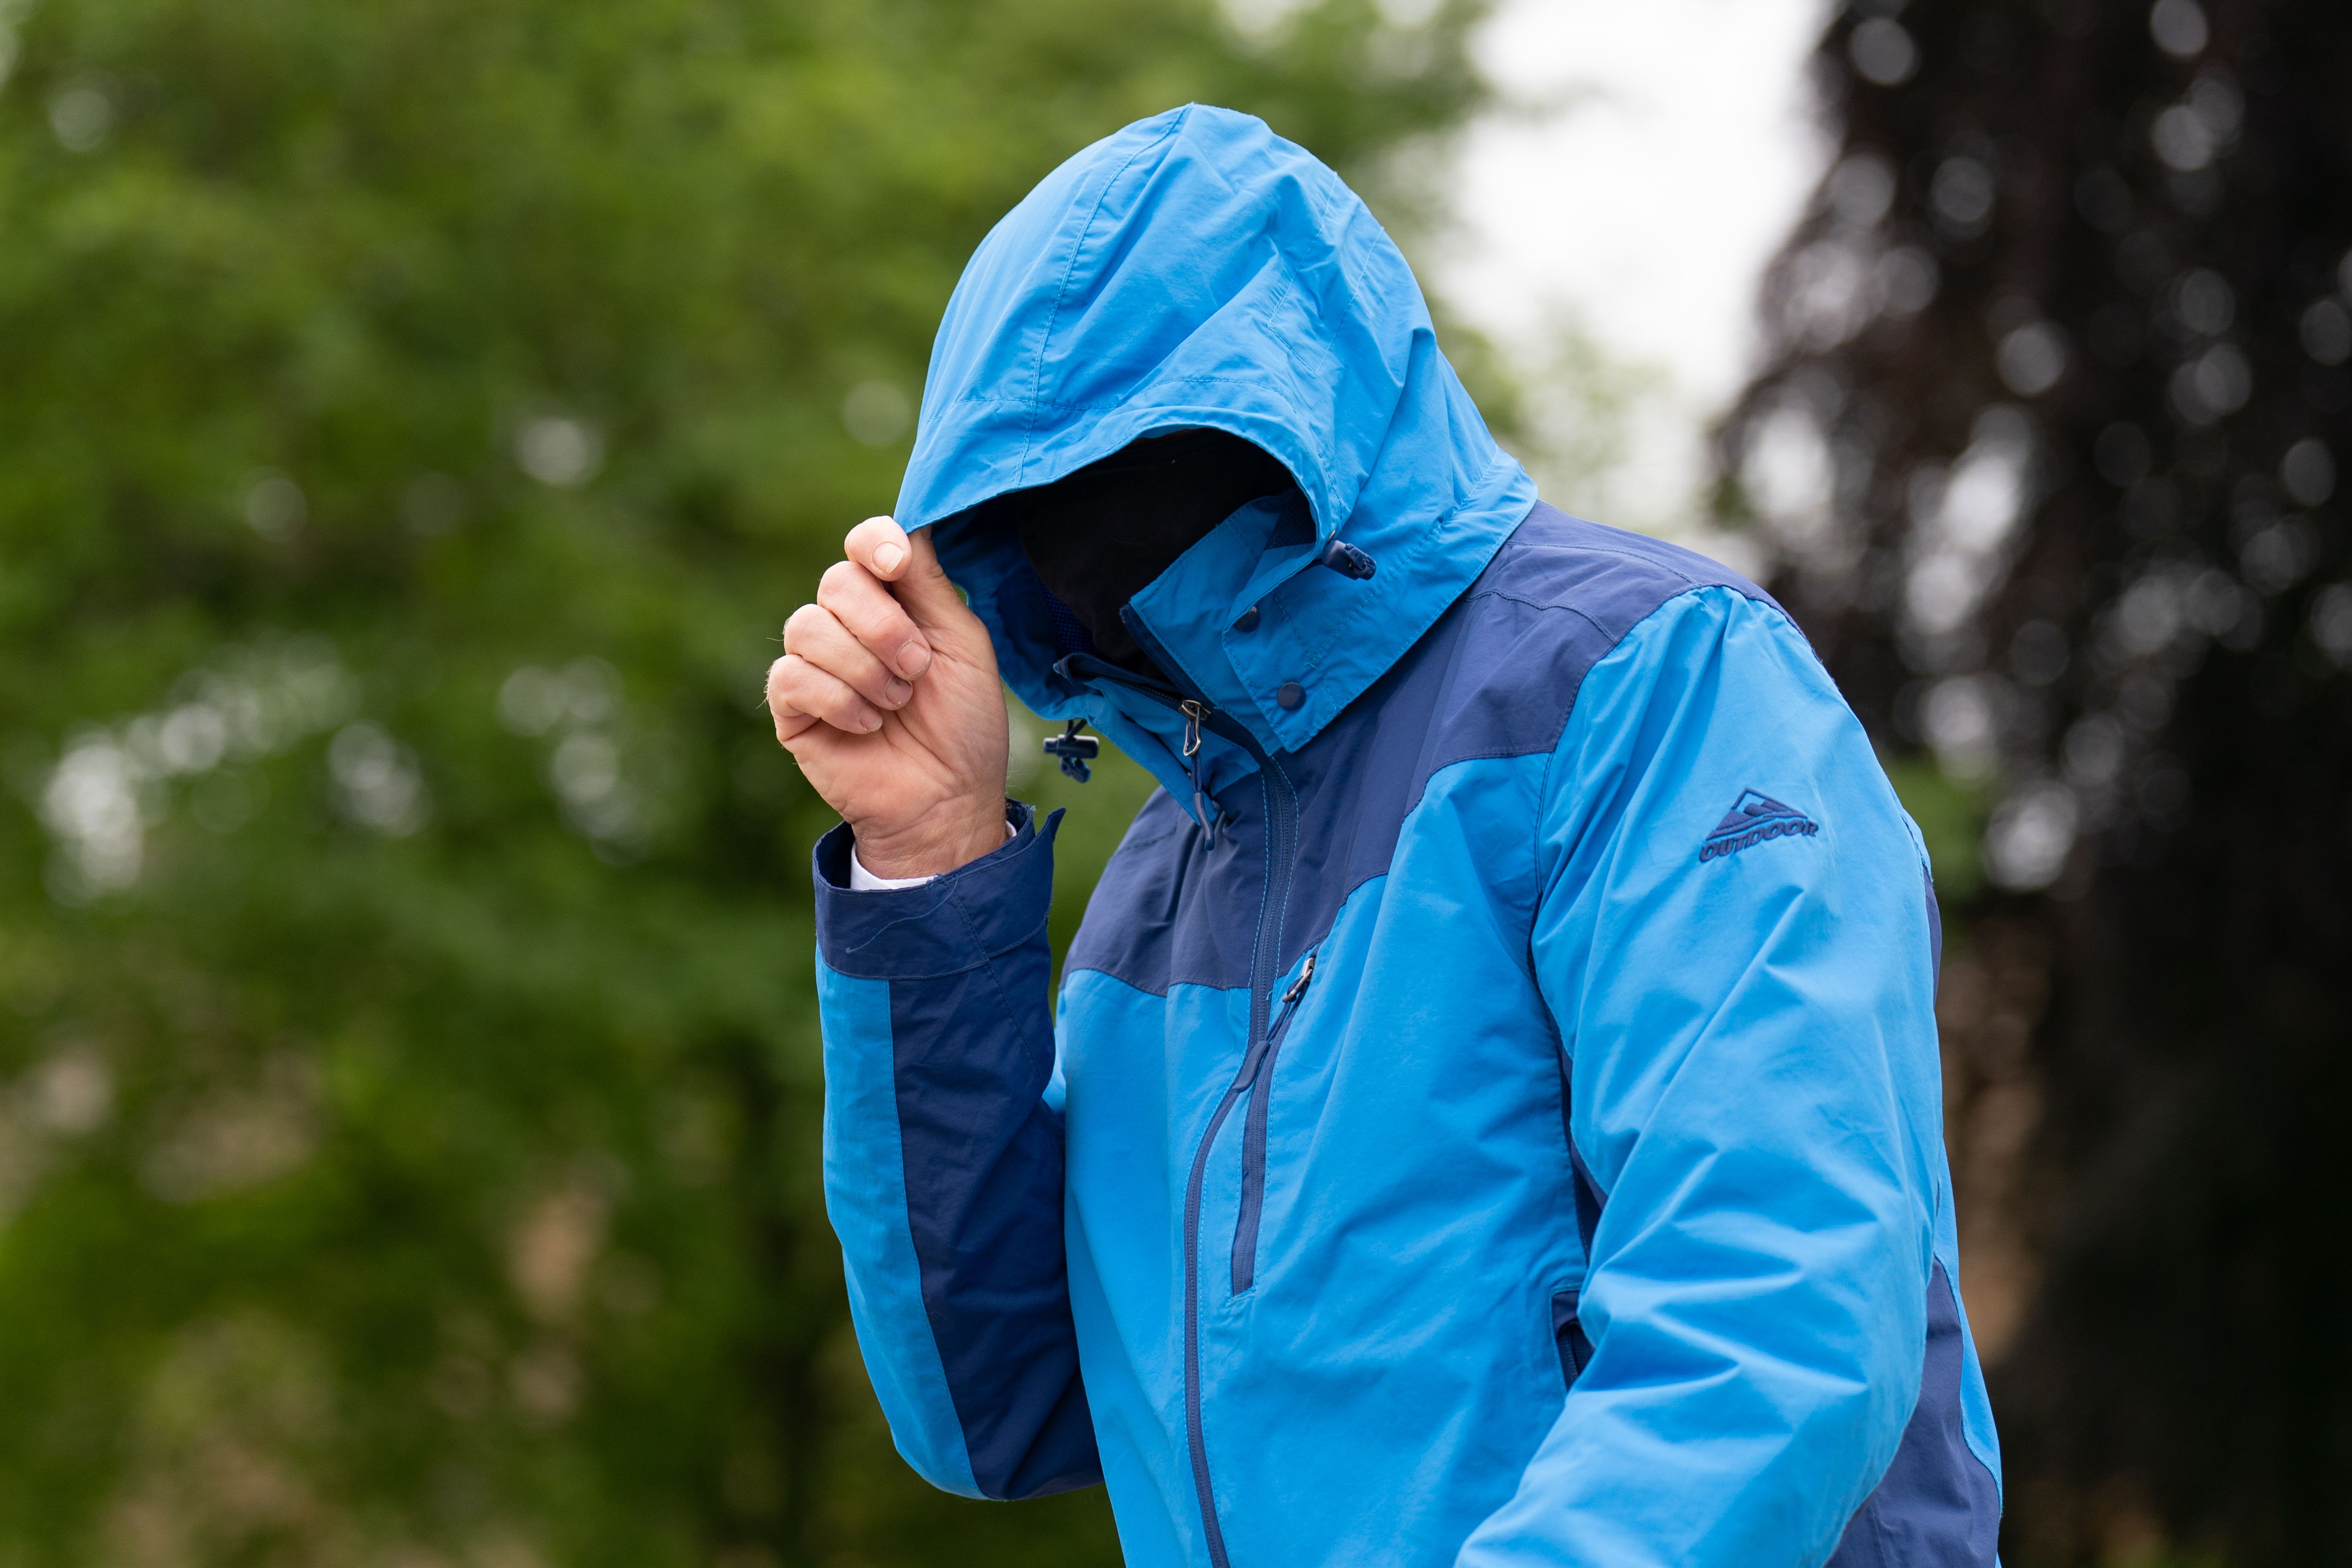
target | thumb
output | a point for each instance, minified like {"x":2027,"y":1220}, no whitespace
{"x":923,"y":590}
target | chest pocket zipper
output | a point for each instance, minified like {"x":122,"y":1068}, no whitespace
{"x":1259,"y":1081}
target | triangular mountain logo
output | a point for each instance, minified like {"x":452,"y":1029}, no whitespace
{"x":1754,"y":817}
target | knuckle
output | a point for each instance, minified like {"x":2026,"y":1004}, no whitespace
{"x":820,"y":693}
{"x":885,"y":634}
{"x":878,"y":628}
{"x":797,"y":678}
{"x":801,"y":624}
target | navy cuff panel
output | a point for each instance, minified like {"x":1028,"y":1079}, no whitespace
{"x":952,"y":923}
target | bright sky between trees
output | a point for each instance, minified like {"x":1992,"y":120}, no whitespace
{"x":1669,"y":150}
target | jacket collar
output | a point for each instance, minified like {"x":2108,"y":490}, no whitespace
{"x":1195,"y":269}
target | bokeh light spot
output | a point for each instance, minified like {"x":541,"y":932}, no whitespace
{"x":876,"y":413}
{"x":560,"y":451}
{"x":1883,"y":52}
{"x":275,"y":506}
{"x":82,"y":116}
{"x":2179,"y":27}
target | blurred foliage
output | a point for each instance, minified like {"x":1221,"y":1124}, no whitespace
{"x":418,"y":417}
{"x":1572,"y":422}
{"x":1951,"y":816}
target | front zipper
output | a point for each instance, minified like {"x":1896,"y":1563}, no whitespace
{"x":1281,"y":858}
{"x":1257,"y":1078}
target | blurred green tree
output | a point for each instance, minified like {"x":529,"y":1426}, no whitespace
{"x":417,"y":418}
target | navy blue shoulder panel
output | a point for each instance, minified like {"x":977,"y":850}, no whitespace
{"x":1496,"y":677}
{"x":1937,"y":1505}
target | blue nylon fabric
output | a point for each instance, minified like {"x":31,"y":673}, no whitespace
{"x":996,"y":903}
{"x":1975,"y":1404}
{"x":1388,"y":1391}
{"x":1759,"y":1108}
{"x":1935,"y":925}
{"x":1937,"y":1505}
{"x":866,"y":1199}
{"x":1495,"y":677}
{"x":1547,"y":1055}
{"x":1100,"y":310}
{"x":962,"y":962}
{"x":1575,"y":1350}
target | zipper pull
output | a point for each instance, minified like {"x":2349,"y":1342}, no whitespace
{"x":1298,"y":987}
{"x":1265,"y":1048}
{"x":1290,"y":1000}
{"x":1194,"y":713}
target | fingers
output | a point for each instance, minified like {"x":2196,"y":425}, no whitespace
{"x":790,"y":720}
{"x":879,"y":545}
{"x":910,"y":564}
{"x":858,"y":600}
{"x":855,"y":653}
{"x":817,"y":635}
{"x":800,"y":694}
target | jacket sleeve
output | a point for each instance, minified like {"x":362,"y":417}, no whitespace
{"x":943,"y":1166}
{"x":1733,"y":938}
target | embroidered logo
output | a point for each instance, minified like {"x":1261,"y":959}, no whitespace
{"x":1751,"y":820}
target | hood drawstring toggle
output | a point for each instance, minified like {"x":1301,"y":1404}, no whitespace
{"x":1347,"y":561}
{"x":1075,"y":750}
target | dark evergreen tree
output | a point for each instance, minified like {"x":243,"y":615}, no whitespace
{"x":2047,"y":449}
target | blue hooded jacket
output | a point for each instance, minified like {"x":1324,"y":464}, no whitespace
{"x":1492,"y":1115}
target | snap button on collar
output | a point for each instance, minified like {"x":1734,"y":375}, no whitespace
{"x":1290,"y":696}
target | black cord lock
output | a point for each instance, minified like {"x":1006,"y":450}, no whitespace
{"x":1075,"y":750}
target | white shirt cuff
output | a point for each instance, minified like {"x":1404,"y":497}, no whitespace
{"x":862,"y":881}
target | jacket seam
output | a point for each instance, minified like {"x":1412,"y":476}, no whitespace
{"x":1550,"y":747}
{"x":986,"y":957}
{"x":1069,"y":270}
{"x":1122,"y":404}
{"x":1690,"y":585}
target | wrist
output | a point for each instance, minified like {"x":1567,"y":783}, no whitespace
{"x":944,"y":840}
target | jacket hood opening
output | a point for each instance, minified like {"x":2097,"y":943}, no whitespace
{"x":1195,"y":271}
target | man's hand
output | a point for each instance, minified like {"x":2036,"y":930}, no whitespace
{"x":887,"y":699}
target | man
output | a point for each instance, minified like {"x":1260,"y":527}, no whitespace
{"x":1493,"y":1113}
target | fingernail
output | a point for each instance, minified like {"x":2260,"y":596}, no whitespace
{"x":897,"y":690}
{"x":913,"y":659}
{"x":887,"y":557}
{"x":873,"y":722}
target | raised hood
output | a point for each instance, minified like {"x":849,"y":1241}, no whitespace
{"x":1195,"y":269}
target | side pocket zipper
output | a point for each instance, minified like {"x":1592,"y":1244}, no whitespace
{"x":1569,"y":1337}
{"x":1260,"y":1084}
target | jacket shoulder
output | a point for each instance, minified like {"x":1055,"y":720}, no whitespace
{"x":1610,"y":577}
{"x":1502,"y":670}
{"x":1495,"y":679}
